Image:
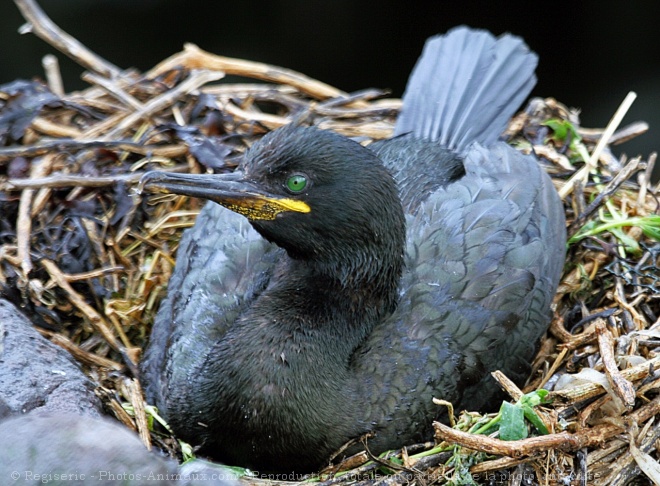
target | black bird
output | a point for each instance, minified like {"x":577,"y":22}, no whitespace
{"x":395,"y":273}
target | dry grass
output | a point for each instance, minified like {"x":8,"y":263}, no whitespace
{"x":89,"y":261}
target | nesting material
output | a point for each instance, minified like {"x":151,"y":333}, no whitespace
{"x":88,"y":260}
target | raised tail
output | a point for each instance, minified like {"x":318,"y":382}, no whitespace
{"x":466,"y":86}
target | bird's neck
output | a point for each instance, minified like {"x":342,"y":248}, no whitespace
{"x":340,"y":300}
{"x":368,"y":279}
{"x":314,"y":316}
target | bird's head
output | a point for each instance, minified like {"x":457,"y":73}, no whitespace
{"x":322,"y":197}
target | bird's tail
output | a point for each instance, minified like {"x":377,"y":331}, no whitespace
{"x":466,"y":86}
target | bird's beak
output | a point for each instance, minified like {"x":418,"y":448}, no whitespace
{"x":230,"y":190}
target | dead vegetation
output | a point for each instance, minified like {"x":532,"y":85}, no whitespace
{"x":89,"y":261}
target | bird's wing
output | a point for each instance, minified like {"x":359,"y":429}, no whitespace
{"x":483,"y":258}
{"x":223,"y":265}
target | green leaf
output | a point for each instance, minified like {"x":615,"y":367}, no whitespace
{"x":559,"y":128}
{"x":527,"y":403}
{"x":589,"y":229}
{"x":461,"y":464}
{"x":563,"y":130}
{"x":186,"y":451}
{"x":537,"y":397}
{"x":512,"y":425}
{"x":629,"y":243}
{"x":536,"y":421}
{"x":651,"y":226}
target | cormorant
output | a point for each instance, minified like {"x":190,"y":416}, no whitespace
{"x":350,"y":285}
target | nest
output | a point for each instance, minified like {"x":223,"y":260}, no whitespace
{"x":89,"y":261}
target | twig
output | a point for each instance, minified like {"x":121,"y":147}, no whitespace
{"x":109,"y":399}
{"x":64,"y":180}
{"x":625,"y":466}
{"x":635,"y":129}
{"x":601,"y":454}
{"x":353,"y":473}
{"x":362,"y":95}
{"x":645,"y":183}
{"x":564,"y":441}
{"x":43,"y":27}
{"x":554,"y":367}
{"x":341,"y":106}
{"x":76,"y":299}
{"x":194,"y":81}
{"x":498,"y":464}
{"x":24,"y":221}
{"x":622,"y":387}
{"x":376,"y":130}
{"x":604,"y":195}
{"x":113,"y":89}
{"x":136,"y":398}
{"x":589,"y":390}
{"x":79,"y":354}
{"x":571,"y":341}
{"x":247,"y":90}
{"x":266,"y":119}
{"x":583,"y":173}
{"x":170,"y":151}
{"x":47,"y":127}
{"x":23,"y":231}
{"x":391,"y":108}
{"x":192,"y":57}
{"x":92,"y":274}
{"x":507,"y":385}
{"x":53,"y":75}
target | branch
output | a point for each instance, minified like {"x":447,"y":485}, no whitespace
{"x":43,"y":27}
{"x":68,"y":180}
{"x":192,"y":57}
{"x":564,"y":441}
{"x":60,"y":145}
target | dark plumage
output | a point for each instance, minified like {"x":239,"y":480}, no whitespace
{"x":397,"y":273}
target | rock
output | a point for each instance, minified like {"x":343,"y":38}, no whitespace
{"x":51,"y":429}
{"x":36,"y":375}
{"x":64,"y":448}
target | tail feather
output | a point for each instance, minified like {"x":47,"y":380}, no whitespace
{"x":466,"y":86}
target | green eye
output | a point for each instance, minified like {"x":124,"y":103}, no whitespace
{"x":296,"y":183}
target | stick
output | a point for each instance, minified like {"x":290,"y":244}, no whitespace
{"x":621,"y":387}
{"x":170,"y":151}
{"x":53,"y":75}
{"x":604,"y":195}
{"x":192,"y":57}
{"x":194,"y":81}
{"x":583,"y":392}
{"x":564,"y":441}
{"x":645,"y":183}
{"x":507,"y":385}
{"x":136,"y":398}
{"x":43,"y":27}
{"x":24,"y":221}
{"x":92,"y":315}
{"x":583,"y":173}
{"x":80,"y":354}
{"x":64,"y":180}
{"x":113,"y":89}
